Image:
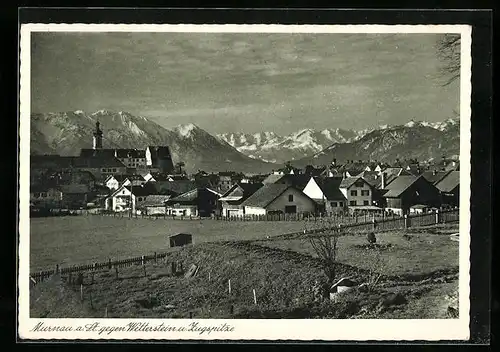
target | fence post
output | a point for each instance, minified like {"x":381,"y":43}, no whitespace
{"x":109,"y":263}
{"x":437,"y":216}
{"x":155,"y":258}
{"x":57,"y":269}
{"x":406,"y":221}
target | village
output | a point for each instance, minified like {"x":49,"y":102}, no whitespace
{"x":147,"y":182}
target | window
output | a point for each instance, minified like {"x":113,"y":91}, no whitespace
{"x":365,"y":192}
{"x":354,"y":193}
{"x":290,"y":197}
{"x":44,"y":195}
{"x":114,"y":170}
{"x":352,"y":202}
{"x":341,"y":204}
{"x":333,"y":204}
{"x":365,"y":202}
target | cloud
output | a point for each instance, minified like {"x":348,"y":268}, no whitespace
{"x":242,"y":81}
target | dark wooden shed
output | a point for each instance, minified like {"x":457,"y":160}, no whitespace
{"x":181,"y":239}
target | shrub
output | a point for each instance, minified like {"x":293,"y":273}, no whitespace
{"x":371,"y":238}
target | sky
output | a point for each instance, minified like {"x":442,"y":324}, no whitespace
{"x":244,"y":82}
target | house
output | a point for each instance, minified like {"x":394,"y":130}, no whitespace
{"x":76,"y":196}
{"x":159,"y":157}
{"x":335,"y":201}
{"x":154,"y":204}
{"x":114,"y":181}
{"x":405,"y":191}
{"x":226,"y":180}
{"x":449,"y":189}
{"x":132,"y":158}
{"x":180,"y":239}
{"x":127,"y":198}
{"x":278,"y":199}
{"x":357,"y":191}
{"x":434,"y":176}
{"x":134,"y":180}
{"x":197,"y":202}
{"x":230,"y":202}
{"x":100,"y":167}
{"x":44,"y":196}
{"x":102,"y":153}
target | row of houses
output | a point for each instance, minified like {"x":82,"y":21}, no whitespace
{"x":291,"y":194}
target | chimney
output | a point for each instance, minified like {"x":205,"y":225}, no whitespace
{"x":334,"y":162}
{"x":382,"y":184}
{"x":434,"y":172}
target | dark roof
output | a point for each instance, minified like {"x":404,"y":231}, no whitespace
{"x":74,"y":188}
{"x":272,"y":179}
{"x":155,"y":200}
{"x":434,"y":176}
{"x":265,"y":195}
{"x":173,"y":187}
{"x":449,"y":182}
{"x":298,"y":181}
{"x":51,"y":161}
{"x":331,"y":187}
{"x":134,"y":177}
{"x":130,"y":153}
{"x":399,"y":185}
{"x":139,"y":191}
{"x":192,"y":195}
{"x":243,"y":190}
{"x":94,"y":162}
{"x":108,"y":153}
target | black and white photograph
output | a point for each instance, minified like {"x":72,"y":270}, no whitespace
{"x":232,"y":181}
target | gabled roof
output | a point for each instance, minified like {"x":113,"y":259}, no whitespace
{"x":192,"y":195}
{"x":298,"y":181}
{"x":172,"y":187}
{"x":265,"y":195}
{"x":449,"y":182}
{"x":240,"y":191}
{"x":271,"y":179}
{"x":434,"y":176}
{"x":399,"y":185}
{"x":331,"y":188}
{"x":155,"y":200}
{"x":139,"y":191}
{"x":349,"y":181}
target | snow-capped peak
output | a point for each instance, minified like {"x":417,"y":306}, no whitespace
{"x":79,"y":112}
{"x":186,"y":130}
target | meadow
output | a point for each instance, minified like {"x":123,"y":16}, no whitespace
{"x":85,"y":239}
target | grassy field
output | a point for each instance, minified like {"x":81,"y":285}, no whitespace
{"x":420,"y":266}
{"x":82,"y":239}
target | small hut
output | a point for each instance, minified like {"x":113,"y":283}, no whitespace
{"x":342,"y":285}
{"x":181,"y":239}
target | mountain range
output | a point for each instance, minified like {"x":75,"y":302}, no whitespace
{"x":65,"y":133}
{"x":272,"y":147}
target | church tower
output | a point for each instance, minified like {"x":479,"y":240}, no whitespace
{"x":97,"y":140}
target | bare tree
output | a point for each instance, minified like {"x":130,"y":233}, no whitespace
{"x":448,"y":50}
{"x":325,"y":246}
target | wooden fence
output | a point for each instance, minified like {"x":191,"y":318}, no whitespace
{"x":120,"y":263}
{"x":387,"y":224}
{"x":340,"y":218}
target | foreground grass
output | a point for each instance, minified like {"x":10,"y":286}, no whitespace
{"x":82,"y":239}
{"x":422,"y":269}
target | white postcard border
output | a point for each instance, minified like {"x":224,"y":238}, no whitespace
{"x":243,"y":329}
